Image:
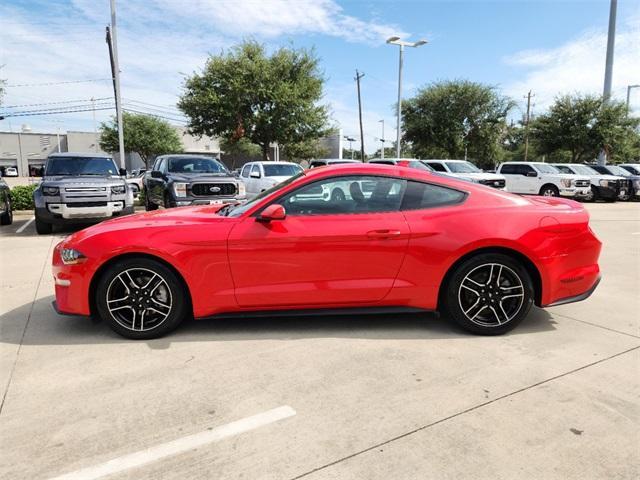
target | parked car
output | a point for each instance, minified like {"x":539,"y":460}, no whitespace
{"x":403,"y":162}
{"x":135,"y":181}
{"x":260,"y":176}
{"x":606,"y":187}
{"x":633,"y":168}
{"x":633,"y":181}
{"x":80,"y":188}
{"x":535,"y":178}
{"x":323,"y":162}
{"x":6,"y":212}
{"x":467,"y":171}
{"x":179,"y":180}
{"x":414,"y":241}
{"x":10,"y":172}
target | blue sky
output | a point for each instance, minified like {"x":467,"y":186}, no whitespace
{"x":550,"y":47}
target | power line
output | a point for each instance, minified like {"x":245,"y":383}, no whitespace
{"x":49,"y":84}
{"x":130,"y":110}
{"x":53,"y":103}
{"x":55,"y":113}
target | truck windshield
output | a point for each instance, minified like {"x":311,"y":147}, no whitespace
{"x":584,"y":170}
{"x":195,"y":165}
{"x":463,"y":167}
{"x":284,"y":170}
{"x":545,"y":168}
{"x":616,"y":170}
{"x":80,"y":166}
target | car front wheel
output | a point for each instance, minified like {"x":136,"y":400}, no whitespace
{"x":148,"y":205}
{"x":141,"y":298}
{"x":489,"y":294}
{"x":549,"y":191}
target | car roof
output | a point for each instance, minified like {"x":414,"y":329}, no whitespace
{"x":80,"y":155}
{"x":446,"y":160}
{"x":271,"y":162}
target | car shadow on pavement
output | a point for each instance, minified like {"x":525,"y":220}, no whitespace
{"x":48,"y":328}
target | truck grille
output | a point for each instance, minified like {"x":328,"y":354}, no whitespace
{"x":493,"y":183}
{"x":583,"y":183}
{"x":86,"y":204}
{"x":213,"y":189}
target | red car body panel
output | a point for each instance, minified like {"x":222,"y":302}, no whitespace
{"x":331,"y":261}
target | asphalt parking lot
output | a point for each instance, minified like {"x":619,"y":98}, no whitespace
{"x":382,"y":397}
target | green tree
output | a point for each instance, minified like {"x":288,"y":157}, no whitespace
{"x":246,"y":93}
{"x":445,"y":118}
{"x":305,"y":150}
{"x":577,"y":127}
{"x":146,"y":135}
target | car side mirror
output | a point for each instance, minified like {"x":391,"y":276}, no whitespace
{"x":531,"y":174}
{"x":255,"y":175}
{"x":272,"y":212}
{"x":122,"y":172}
{"x":156,"y":174}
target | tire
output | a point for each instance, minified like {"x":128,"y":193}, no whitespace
{"x":148,"y":206}
{"x":42,"y":227}
{"x":7,"y":217}
{"x":499,"y":307}
{"x":549,"y":190}
{"x":163,"y":304}
{"x":338,"y":195}
{"x":594,"y":195}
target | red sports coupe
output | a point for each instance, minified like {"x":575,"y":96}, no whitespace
{"x":341,"y":239}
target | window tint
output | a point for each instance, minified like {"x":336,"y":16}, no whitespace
{"x":545,"y":168}
{"x":245,"y":170}
{"x":383,"y":162}
{"x":509,"y":169}
{"x":349,"y":194}
{"x":420,"y":166}
{"x":438,"y":167}
{"x":317,"y":163}
{"x":195,"y":165}
{"x":156,"y":164}
{"x":564,"y":169}
{"x":161,"y":165}
{"x":255,"y":169}
{"x":424,"y":195}
{"x":281,"y":170}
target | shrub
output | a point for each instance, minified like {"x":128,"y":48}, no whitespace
{"x":22,"y":197}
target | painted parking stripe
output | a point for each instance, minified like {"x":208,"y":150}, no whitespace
{"x":23,"y":227}
{"x":180,"y":445}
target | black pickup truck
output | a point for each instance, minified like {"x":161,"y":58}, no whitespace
{"x":180,"y":180}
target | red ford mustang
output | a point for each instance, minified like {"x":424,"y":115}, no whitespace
{"x":348,"y":238}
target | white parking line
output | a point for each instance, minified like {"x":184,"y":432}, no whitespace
{"x":179,"y":445}
{"x":29,"y":222}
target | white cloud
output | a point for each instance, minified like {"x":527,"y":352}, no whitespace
{"x":578,"y":66}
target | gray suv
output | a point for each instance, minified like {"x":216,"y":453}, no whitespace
{"x":80,"y":188}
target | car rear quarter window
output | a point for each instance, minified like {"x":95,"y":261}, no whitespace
{"x":420,"y":195}
{"x":437,"y":166}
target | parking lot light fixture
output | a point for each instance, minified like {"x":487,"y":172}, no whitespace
{"x":396,"y":41}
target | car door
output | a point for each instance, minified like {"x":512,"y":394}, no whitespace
{"x":255,"y":177}
{"x":326,"y":252}
{"x":529,"y":179}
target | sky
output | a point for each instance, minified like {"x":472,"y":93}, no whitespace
{"x":53,"y":52}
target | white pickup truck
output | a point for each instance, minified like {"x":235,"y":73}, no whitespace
{"x":536,"y":178}
{"x":467,"y":171}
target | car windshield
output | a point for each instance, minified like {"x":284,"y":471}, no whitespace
{"x":102,"y":166}
{"x":281,"y":170}
{"x":615,"y":170}
{"x":239,"y":209}
{"x":544,"y":168}
{"x":584,"y":170}
{"x":563,"y":169}
{"x":463,"y":167}
{"x":195,"y":165}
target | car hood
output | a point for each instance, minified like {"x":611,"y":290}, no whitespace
{"x":61,"y":181}
{"x":201,"y":177}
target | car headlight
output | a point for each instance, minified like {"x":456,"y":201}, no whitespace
{"x":71,"y":256}
{"x":180,"y":189}
{"x":604,"y":183}
{"x":566,"y":182}
{"x":50,"y":191}
{"x":241,"y":189}
{"x":118,"y":189}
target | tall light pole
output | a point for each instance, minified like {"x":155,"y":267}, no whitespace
{"x":116,"y":76}
{"x":401,"y":44}
{"x":629,"y":87}
{"x":350,"y":139}
{"x":608,"y":71}
{"x":382,"y":139}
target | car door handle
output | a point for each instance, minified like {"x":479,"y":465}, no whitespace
{"x":383,"y":234}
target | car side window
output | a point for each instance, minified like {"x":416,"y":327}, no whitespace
{"x":255,"y":169}
{"x":438,"y":167}
{"x":509,"y":169}
{"x":425,"y":195}
{"x":346,"y":195}
{"x":156,"y":164}
{"x":524,"y":169}
{"x":245,"y":170}
{"x":162,"y":165}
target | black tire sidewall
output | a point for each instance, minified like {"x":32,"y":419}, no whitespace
{"x":454,"y":310}
{"x":178,"y":310}
{"x":553,"y":188}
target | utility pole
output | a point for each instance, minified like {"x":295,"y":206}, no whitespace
{"x":382,"y":140}
{"x":608,"y":72}
{"x":95,"y":131}
{"x":357,"y":79}
{"x":526,"y":126}
{"x":116,"y":81}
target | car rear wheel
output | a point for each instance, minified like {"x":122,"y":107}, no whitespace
{"x":489,"y":294}
{"x":549,"y":191}
{"x":338,"y":195}
{"x":141,"y":298}
{"x":7,"y":217}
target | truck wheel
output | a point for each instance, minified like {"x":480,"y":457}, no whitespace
{"x":549,"y":190}
{"x":168,"y":202}
{"x":43,"y":228}
{"x":7,"y":217}
{"x":594,"y":195}
{"x":148,"y":206}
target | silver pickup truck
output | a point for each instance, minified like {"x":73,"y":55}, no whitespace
{"x":80,"y":188}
